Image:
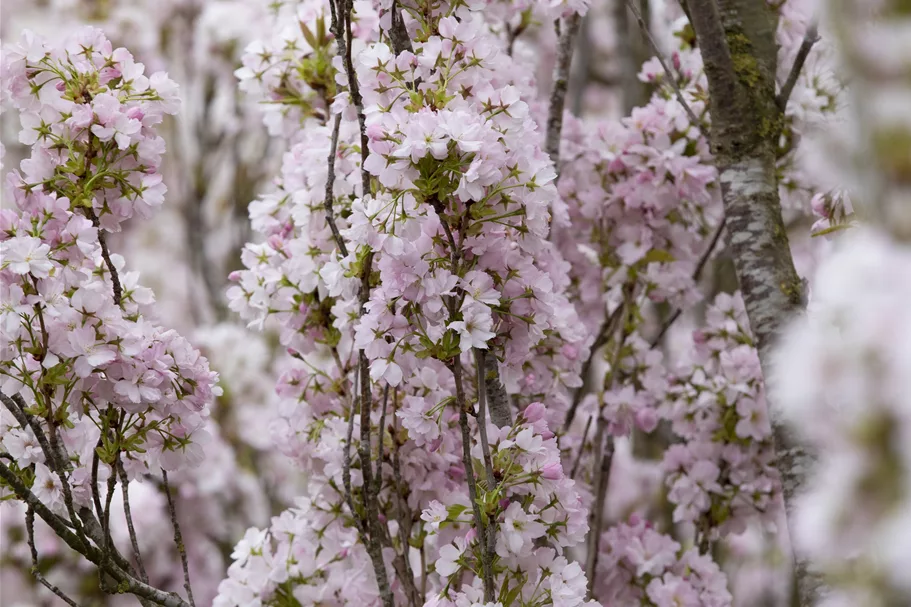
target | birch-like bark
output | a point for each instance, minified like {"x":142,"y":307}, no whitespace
{"x":737,"y":40}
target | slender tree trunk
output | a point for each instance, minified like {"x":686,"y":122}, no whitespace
{"x":737,"y":40}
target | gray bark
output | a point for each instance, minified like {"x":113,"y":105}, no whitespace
{"x":737,"y":40}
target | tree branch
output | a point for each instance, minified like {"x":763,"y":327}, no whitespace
{"x":129,"y":583}
{"x":671,"y":76}
{"x":737,"y":40}
{"x":809,"y":39}
{"x":134,"y":542}
{"x":35,"y":571}
{"x":565,"y":45}
{"x":178,"y":538}
{"x":461,"y":403}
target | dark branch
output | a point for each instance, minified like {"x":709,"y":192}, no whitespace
{"x":178,"y":538}
{"x":809,"y":39}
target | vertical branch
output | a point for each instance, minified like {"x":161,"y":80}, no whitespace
{"x":370,"y":530}
{"x":178,"y":539}
{"x":35,"y":571}
{"x":404,"y":517}
{"x":124,"y":484}
{"x":565,"y":45}
{"x":737,"y":40}
{"x":482,"y":415}
{"x":330,"y":187}
{"x":497,"y":400}
{"x":479,"y":518}
{"x":604,"y":457}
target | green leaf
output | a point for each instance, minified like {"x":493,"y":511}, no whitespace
{"x":658,"y":255}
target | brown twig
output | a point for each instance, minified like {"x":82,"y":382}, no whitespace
{"x":35,"y":571}
{"x":125,"y":483}
{"x":178,"y":539}
{"x":462,"y":405}
{"x":565,"y":45}
{"x":671,"y":76}
{"x":810,"y":38}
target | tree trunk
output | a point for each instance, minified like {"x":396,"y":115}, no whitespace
{"x":737,"y":40}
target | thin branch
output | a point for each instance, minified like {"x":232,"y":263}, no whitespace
{"x":178,"y":539}
{"x":16,"y":406}
{"x":482,"y":415}
{"x":60,"y":527}
{"x":671,"y":76}
{"x":398,"y":33}
{"x":404,"y":517}
{"x":575,"y":468}
{"x":106,"y":256}
{"x":607,"y":329}
{"x":378,"y":479}
{"x":330,"y":186}
{"x":565,"y":45}
{"x":486,"y":564}
{"x":706,"y":255}
{"x":498,"y":403}
{"x":602,"y":479}
{"x":809,"y":39}
{"x":124,"y":484}
{"x":35,"y":571}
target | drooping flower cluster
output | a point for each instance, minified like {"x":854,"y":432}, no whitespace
{"x":76,"y":343}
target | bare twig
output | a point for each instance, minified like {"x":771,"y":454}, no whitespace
{"x":63,"y":531}
{"x":378,"y":478}
{"x":404,"y":517}
{"x":330,"y":186}
{"x":810,"y":38}
{"x":607,"y":329}
{"x":671,"y":76}
{"x":603,"y":459}
{"x":486,"y":564}
{"x":35,"y":571}
{"x":575,"y":468}
{"x":178,"y":539}
{"x":106,"y":255}
{"x":124,"y":484}
{"x":566,"y":38}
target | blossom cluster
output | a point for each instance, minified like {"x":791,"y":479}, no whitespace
{"x":639,"y":565}
{"x":77,"y":343}
{"x":722,"y":474}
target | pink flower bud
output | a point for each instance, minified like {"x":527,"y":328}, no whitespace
{"x":471,"y":535}
{"x":552,"y":471}
{"x":819,"y":205}
{"x":646,"y":419}
{"x":699,"y":337}
{"x":534,"y":412}
{"x":435,"y":444}
{"x":570,"y":351}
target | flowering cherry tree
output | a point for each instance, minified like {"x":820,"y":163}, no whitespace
{"x":488,"y":344}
